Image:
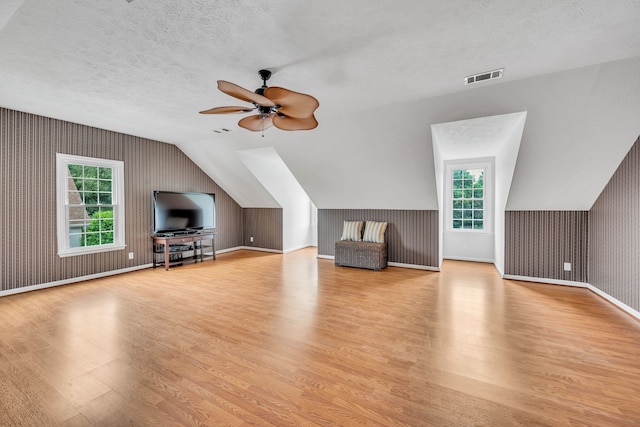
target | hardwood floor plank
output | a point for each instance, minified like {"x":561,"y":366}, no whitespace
{"x":261,"y":339}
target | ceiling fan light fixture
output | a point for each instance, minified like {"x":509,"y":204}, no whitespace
{"x":271,"y":103}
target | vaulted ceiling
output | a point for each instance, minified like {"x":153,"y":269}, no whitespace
{"x":384,"y":73}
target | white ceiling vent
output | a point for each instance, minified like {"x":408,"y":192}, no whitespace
{"x":487,"y":75}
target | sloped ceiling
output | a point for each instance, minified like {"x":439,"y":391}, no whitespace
{"x":383,"y":71}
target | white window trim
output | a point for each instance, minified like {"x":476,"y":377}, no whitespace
{"x":64,"y":249}
{"x":487,"y":165}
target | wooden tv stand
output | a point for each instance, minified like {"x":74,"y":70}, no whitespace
{"x":174,"y":248}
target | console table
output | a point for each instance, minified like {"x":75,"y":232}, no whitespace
{"x":174,"y":248}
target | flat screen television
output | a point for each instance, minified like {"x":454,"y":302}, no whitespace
{"x":182,"y":212}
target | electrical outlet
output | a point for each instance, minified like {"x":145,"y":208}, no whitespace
{"x":130,"y":255}
{"x":251,"y":239}
{"x":567,"y":266}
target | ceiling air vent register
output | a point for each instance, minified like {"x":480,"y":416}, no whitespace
{"x":487,"y":75}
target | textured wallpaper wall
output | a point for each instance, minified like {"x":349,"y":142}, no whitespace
{"x":538,"y":243}
{"x":28,"y":146}
{"x":614,"y":239}
{"x":412,"y":234}
{"x":265,"y":226}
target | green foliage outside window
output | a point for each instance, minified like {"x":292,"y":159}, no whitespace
{"x":91,"y":192}
{"x":468,"y":199}
{"x":100,"y":229}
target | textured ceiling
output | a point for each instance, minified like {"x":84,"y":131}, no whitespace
{"x":474,"y":138}
{"x":147,"y":67}
{"x":154,"y":63}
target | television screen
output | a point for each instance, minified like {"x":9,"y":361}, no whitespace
{"x":182,"y":211}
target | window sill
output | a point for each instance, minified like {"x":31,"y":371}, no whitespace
{"x":90,"y":250}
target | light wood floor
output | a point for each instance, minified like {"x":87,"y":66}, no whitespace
{"x":278,"y":340}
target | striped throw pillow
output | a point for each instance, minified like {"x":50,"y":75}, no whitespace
{"x":352,"y":230}
{"x":374,"y":231}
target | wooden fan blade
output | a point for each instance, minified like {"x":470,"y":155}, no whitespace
{"x":256,"y":123}
{"x":293,"y":104}
{"x":227,"y":110}
{"x":244,"y":94}
{"x":294,"y":123}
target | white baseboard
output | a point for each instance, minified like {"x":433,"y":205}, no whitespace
{"x":461,"y":258}
{"x":253,"y":248}
{"x":393,"y":264}
{"x":546,"y":281}
{"x":298,"y":248}
{"x":248,"y":248}
{"x":499,"y":270}
{"x":73,"y":280}
{"x":414,"y":266}
{"x":624,"y":307}
{"x":614,"y":301}
{"x":224,"y":251}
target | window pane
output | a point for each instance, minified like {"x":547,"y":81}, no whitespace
{"x":478,"y":204}
{"x":467,"y":214}
{"x":457,"y":194}
{"x":478,"y":225}
{"x":105,"y":223}
{"x":106,"y":238}
{"x":468,"y":183}
{"x":478,"y":214}
{"x":457,"y":183}
{"x":74,"y":184}
{"x":90,"y":198}
{"x":104,"y":173}
{"x":468,"y":194}
{"x":105,"y":198}
{"x":457,"y":223}
{"x":467,"y":204}
{"x":457,"y":214}
{"x":91,"y":210}
{"x":75,"y":170}
{"x":90,"y":185}
{"x":76,"y":226}
{"x":74,"y":198}
{"x":477,"y":194}
{"x":457,"y":174}
{"x":457,"y":204}
{"x":467,"y":224}
{"x":104,"y":185}
{"x":77,"y":213}
{"x":93,"y":239}
{"x":90,"y":171}
{"x":76,"y":240}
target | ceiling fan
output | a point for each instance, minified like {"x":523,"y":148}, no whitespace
{"x":276,"y":106}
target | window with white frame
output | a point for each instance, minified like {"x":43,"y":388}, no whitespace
{"x":90,"y":206}
{"x":469,"y":197}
